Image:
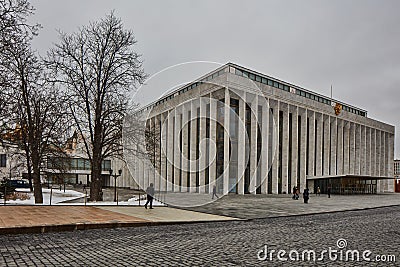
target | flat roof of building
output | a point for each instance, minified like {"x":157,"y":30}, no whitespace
{"x":257,"y":77}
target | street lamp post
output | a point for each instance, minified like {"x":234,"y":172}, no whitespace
{"x":115,"y":182}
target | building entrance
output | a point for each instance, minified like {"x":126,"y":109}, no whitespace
{"x":347,"y":185}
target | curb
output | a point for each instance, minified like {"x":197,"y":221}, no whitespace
{"x":40,"y":229}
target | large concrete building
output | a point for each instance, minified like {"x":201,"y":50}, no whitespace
{"x":246,"y":132}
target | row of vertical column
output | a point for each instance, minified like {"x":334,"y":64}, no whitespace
{"x":304,"y":143}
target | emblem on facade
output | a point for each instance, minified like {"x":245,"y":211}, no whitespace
{"x":338,"y":109}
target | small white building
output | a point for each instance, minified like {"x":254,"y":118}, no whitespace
{"x":76,"y":169}
{"x":12,"y":161}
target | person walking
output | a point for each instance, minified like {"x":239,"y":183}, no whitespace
{"x":306,"y":195}
{"x":294,"y":192}
{"x":318,"y":191}
{"x":214,"y":193}
{"x":150,"y":196}
{"x":329,"y":191}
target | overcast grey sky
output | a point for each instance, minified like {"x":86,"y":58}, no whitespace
{"x":354,"y":45}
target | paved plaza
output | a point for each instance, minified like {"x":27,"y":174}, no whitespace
{"x":232,"y":243}
{"x":37,"y":219}
{"x":263,"y":206}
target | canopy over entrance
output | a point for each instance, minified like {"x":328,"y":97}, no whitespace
{"x":346,"y":184}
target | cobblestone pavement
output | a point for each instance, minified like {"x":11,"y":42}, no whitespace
{"x":234,"y":243}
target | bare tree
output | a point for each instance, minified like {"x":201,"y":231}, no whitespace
{"x":13,"y":29}
{"x":99,"y":68}
{"x":35,"y":107}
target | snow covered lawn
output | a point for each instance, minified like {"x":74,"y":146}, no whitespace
{"x":60,"y":196}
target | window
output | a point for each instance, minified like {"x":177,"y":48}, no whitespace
{"x":275,"y":84}
{"x":238,"y":72}
{"x":264,"y":80}
{"x":258,"y":78}
{"x":3,"y":160}
{"x":252,"y":76}
{"x":286,"y":88}
{"x":280,"y":86}
{"x":270,"y":82}
{"x":106,"y":165}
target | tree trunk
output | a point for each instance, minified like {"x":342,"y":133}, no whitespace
{"x":37,"y":186}
{"x":36,"y":177}
{"x":96,"y":193}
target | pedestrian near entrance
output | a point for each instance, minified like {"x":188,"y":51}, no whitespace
{"x":150,"y":196}
{"x":329,"y":191}
{"x":294,"y":192}
{"x":306,"y":195}
{"x":214,"y":193}
{"x":318,"y":191}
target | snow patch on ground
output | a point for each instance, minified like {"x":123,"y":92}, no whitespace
{"x":58,"y":197}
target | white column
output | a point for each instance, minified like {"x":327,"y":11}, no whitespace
{"x":368,"y":150}
{"x":163,"y":152}
{"x":213,"y":140}
{"x":285,"y":148}
{"x":242,"y":160}
{"x":340,"y":145}
{"x":170,"y":150}
{"x":295,"y":147}
{"x":264,"y":147}
{"x":156,"y":162}
{"x":203,"y":145}
{"x":352,"y":147}
{"x":378,"y":153}
{"x":320,"y":121}
{"x":227,"y":111}
{"x":275,"y":138}
{"x":177,"y":150}
{"x":326,"y":149}
{"x":373,"y":152}
{"x":346,"y":148}
{"x":311,"y":141}
{"x":303,"y":150}
{"x":363,"y":151}
{"x":333,"y":141}
{"x":185,"y":147}
{"x":382,"y":157}
{"x":193,"y":146}
{"x":253,"y":145}
{"x":358,"y":150}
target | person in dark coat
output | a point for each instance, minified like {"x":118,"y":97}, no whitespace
{"x":294,"y":192}
{"x":306,"y":195}
{"x":329,"y":191}
{"x":214,"y":193}
{"x":150,"y":196}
